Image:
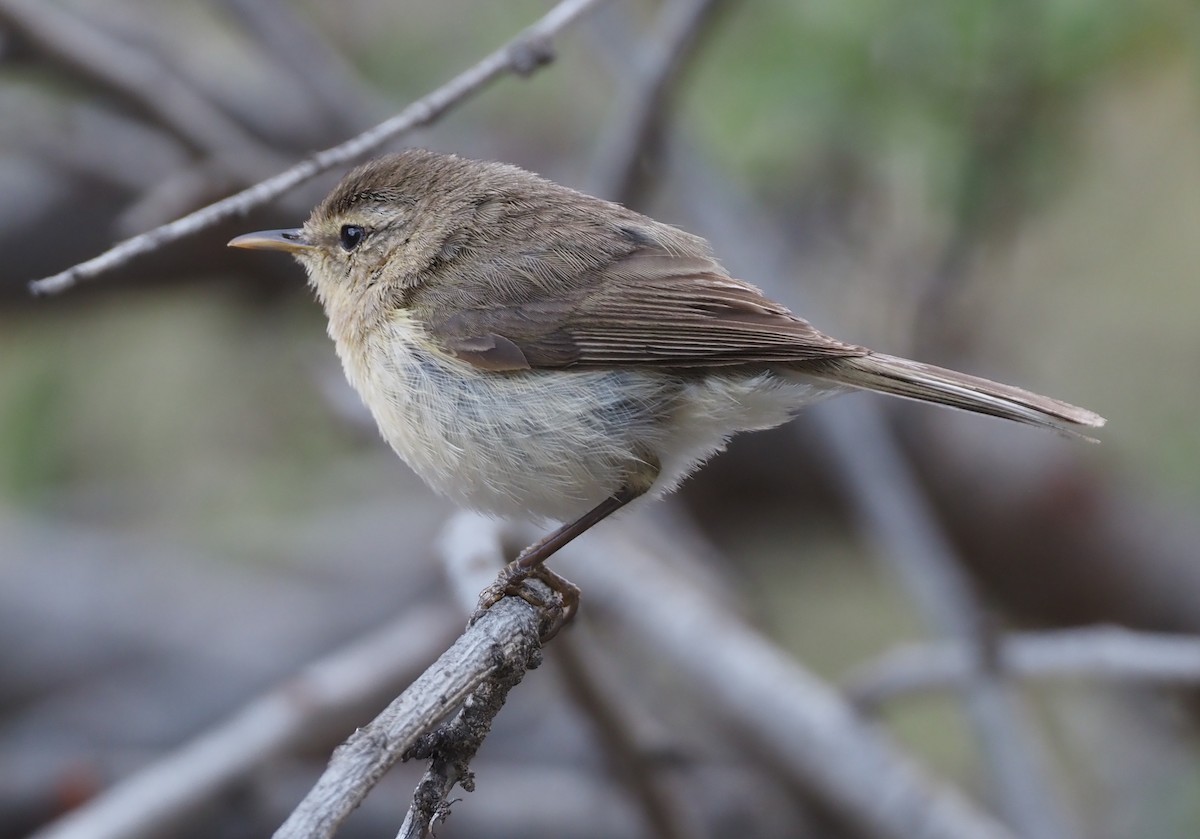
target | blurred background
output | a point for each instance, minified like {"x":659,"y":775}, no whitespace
{"x":192,"y":504}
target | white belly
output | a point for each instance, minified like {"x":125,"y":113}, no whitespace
{"x":553,"y":443}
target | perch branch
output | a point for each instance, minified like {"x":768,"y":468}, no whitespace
{"x":523,"y":55}
{"x":472,"y":552}
{"x":497,"y":649}
{"x":807,"y":729}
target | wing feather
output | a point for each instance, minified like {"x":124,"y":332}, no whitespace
{"x":648,"y":308}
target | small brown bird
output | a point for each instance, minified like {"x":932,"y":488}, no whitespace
{"x":532,"y":350}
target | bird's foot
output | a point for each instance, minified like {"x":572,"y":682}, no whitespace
{"x":512,"y":581}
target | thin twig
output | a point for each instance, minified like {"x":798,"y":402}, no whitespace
{"x":1110,"y":654}
{"x":498,"y":647}
{"x":522,"y":56}
{"x":322,"y":701}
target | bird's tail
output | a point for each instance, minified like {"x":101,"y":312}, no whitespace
{"x":927,"y":383}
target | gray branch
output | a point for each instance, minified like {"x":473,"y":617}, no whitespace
{"x":321,"y":701}
{"x":496,"y":650}
{"x":521,"y":56}
{"x":806,"y":728}
{"x":139,"y":78}
{"x":1109,"y":654}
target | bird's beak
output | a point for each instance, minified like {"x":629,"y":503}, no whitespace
{"x":292,"y":241}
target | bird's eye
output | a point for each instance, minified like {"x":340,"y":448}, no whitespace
{"x":350,"y":236}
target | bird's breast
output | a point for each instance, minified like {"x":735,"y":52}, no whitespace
{"x":547,"y":443}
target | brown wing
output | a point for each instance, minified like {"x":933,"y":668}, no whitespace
{"x":649,"y":308}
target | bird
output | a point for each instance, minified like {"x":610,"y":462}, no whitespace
{"x":530,"y":350}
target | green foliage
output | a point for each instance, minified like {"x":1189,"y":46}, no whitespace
{"x":788,"y":84}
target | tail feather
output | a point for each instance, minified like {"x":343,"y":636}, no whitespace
{"x":927,"y":383}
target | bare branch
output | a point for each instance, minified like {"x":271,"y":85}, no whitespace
{"x":634,"y":132}
{"x":664,"y":816}
{"x":496,"y":649}
{"x":523,"y":55}
{"x":1110,"y":654}
{"x":142,"y":80}
{"x":317,"y":71}
{"x":320,"y":702}
{"x":804,"y":725}
{"x":450,"y":750}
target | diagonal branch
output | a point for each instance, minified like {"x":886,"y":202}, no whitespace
{"x":137,"y":77}
{"x":499,"y":647}
{"x":320,"y":702}
{"x":523,"y":55}
{"x":815,"y":738}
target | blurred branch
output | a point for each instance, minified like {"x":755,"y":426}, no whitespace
{"x":523,"y":55}
{"x":318,"y":71}
{"x":1110,"y":654}
{"x":495,"y":651}
{"x":140,"y":79}
{"x":896,"y":514}
{"x":892,"y":507}
{"x":808,"y":730}
{"x":634,"y":132}
{"x":322,"y":701}
{"x":664,"y":815}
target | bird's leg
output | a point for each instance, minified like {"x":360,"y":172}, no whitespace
{"x":530,"y":562}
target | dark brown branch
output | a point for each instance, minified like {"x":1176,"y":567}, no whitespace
{"x":521,"y":56}
{"x":891,"y":506}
